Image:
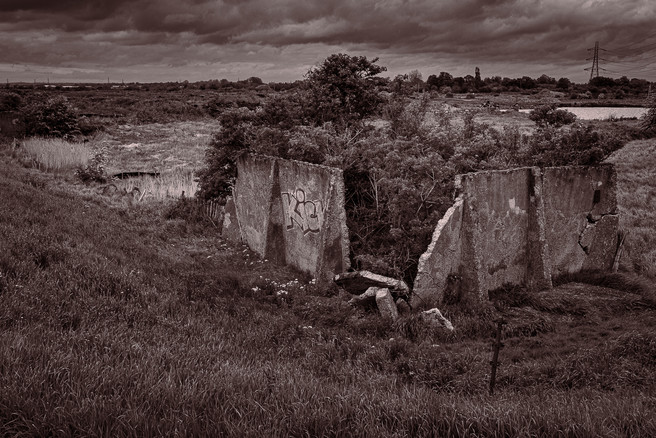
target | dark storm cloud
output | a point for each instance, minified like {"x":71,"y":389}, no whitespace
{"x":426,"y":32}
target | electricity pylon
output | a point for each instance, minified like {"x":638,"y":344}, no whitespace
{"x":594,"y":70}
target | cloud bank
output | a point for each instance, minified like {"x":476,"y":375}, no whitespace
{"x":279,"y":40}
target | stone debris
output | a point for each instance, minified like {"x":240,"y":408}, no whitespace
{"x":366,"y":299}
{"x":358,"y":282}
{"x":386,"y":304}
{"x":435,"y":318}
{"x":403,"y":307}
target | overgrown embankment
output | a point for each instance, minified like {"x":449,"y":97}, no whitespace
{"x":116,"y":321}
{"x":636,"y":182}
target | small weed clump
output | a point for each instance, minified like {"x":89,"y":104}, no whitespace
{"x":95,"y":169}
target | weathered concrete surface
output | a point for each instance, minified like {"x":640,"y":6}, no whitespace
{"x":441,"y":259}
{"x":293,"y":213}
{"x":581,"y":217}
{"x":230,"y":228}
{"x":252,"y":196}
{"x":357,"y":282}
{"x":435,"y":318}
{"x":311,"y":219}
{"x":523,"y":227}
{"x":501,"y":213}
{"x":386,"y":305}
{"x":366,"y":299}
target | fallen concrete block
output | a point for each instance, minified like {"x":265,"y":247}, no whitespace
{"x":386,"y":304}
{"x":358,"y":282}
{"x":435,"y":318}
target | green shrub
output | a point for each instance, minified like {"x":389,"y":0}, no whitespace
{"x":217,"y":177}
{"x":51,"y":117}
{"x":550,"y":115}
{"x":649,"y":122}
{"x":95,"y":169}
{"x":9,"y":101}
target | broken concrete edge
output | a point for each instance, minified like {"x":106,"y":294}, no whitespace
{"x":434,"y":316}
{"x":335,"y":245}
{"x":358,"y":282}
{"x":470,"y":267}
{"x":428,"y":279}
{"x":582,"y":222}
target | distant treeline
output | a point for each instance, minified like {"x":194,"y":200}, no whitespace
{"x":443,"y":82}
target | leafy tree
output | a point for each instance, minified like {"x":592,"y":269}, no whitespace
{"x":526,"y":82}
{"x":563,"y":84}
{"x":601,"y":81}
{"x":341,"y":89}
{"x":432,"y":82}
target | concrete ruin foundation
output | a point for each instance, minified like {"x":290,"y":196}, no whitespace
{"x":291,"y":213}
{"x":522,"y":226}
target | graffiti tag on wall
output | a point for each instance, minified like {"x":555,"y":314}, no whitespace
{"x":301,"y":212}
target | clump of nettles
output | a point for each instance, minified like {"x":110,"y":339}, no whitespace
{"x":95,"y":170}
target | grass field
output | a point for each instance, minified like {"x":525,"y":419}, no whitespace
{"x":118,"y":322}
{"x":636,"y":169}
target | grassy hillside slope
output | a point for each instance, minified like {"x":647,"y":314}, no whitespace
{"x":636,"y":170}
{"x":118,"y":322}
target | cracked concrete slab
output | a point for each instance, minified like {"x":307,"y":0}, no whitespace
{"x":441,"y":259}
{"x":580,"y":203}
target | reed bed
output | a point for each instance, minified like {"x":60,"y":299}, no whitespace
{"x":177,"y":183}
{"x":55,"y":155}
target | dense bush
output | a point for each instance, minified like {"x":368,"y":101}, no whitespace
{"x":52,"y":117}
{"x":649,"y":122}
{"x":550,"y":115}
{"x":9,"y":101}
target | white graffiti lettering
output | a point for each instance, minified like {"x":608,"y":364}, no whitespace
{"x":298,"y":211}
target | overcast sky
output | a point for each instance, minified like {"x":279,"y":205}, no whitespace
{"x":279,"y":40}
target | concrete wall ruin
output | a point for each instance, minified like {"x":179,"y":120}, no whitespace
{"x":522,"y":226}
{"x":292,"y":213}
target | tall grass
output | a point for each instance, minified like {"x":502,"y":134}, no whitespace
{"x":636,"y":181}
{"x":118,"y":322}
{"x":55,"y":155}
{"x":173,"y":184}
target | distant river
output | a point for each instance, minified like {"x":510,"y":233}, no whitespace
{"x":601,"y":112}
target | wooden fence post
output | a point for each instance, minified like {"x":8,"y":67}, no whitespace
{"x":495,"y":357}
